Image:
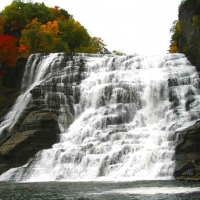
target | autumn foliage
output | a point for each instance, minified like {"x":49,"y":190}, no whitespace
{"x":40,"y":29}
{"x":176,"y":31}
{"x":8,"y":50}
{"x":173,"y":49}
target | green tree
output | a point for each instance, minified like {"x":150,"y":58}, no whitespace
{"x":73,"y":34}
{"x":49,"y":37}
{"x":19,"y":13}
{"x":98,"y":44}
{"x":37,"y":10}
{"x":3,"y":23}
{"x":44,"y":29}
{"x":59,"y":14}
{"x":118,"y":53}
{"x":31,"y":37}
{"x":14,"y":15}
{"x":176,"y":32}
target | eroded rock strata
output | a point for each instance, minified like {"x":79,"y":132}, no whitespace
{"x":188,"y":149}
{"x":37,"y":127}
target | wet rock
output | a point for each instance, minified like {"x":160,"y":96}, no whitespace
{"x":36,"y":121}
{"x":13,"y":76}
{"x":38,"y":131}
{"x":187,"y":149}
{"x":37,"y":91}
{"x":37,"y":127}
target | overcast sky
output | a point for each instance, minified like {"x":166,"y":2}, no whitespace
{"x":132,"y":26}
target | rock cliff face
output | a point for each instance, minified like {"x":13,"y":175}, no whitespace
{"x":38,"y":131}
{"x":10,"y":87}
{"x":13,"y":76}
{"x":37,"y":127}
{"x":188,"y":147}
{"x":189,"y":39}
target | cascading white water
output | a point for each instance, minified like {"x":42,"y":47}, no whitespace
{"x":34,"y":74}
{"x":129,"y":108}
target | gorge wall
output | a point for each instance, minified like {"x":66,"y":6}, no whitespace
{"x":10,"y":85}
{"x":189,"y":36}
{"x":189,"y":44}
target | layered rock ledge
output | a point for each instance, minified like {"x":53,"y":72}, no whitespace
{"x":51,"y":107}
{"x":188,"y":148}
{"x":38,"y":131}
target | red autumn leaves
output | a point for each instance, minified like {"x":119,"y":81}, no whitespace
{"x":9,"y":52}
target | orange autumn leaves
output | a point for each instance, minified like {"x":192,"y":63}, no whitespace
{"x":59,"y":36}
{"x":40,"y":29}
{"x":38,"y":37}
{"x":176,"y":31}
{"x":54,"y":36}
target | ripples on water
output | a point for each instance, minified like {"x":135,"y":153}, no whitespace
{"x":154,"y":190}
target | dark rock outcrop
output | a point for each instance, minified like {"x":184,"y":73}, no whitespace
{"x":10,"y":87}
{"x":38,"y":131}
{"x":13,"y":76}
{"x":188,"y":148}
{"x":189,"y":39}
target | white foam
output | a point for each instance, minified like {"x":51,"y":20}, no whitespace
{"x":154,"y":190}
{"x":128,"y":109}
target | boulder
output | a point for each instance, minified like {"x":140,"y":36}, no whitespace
{"x":188,"y":148}
{"x":38,"y":131}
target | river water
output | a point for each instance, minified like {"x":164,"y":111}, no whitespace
{"x":100,"y":190}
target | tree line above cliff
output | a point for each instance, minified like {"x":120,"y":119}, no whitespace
{"x":28,"y":27}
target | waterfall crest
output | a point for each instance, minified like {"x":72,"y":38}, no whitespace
{"x":126,"y":114}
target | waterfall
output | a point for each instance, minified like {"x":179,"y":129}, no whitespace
{"x":27,"y":84}
{"x":125,"y":117}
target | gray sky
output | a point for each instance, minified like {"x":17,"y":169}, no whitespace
{"x":132,"y":26}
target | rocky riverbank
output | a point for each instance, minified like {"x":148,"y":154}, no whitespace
{"x":187,"y":149}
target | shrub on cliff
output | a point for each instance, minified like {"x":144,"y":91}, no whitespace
{"x":176,"y":31}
